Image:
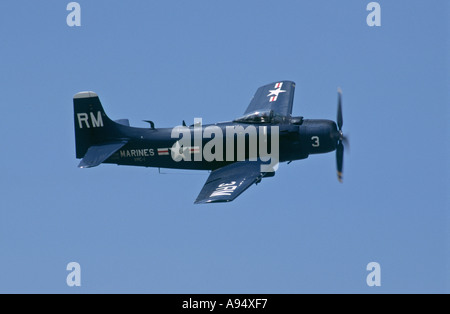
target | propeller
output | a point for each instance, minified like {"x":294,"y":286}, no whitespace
{"x":341,"y":139}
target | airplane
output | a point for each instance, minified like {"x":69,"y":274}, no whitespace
{"x":238,"y":153}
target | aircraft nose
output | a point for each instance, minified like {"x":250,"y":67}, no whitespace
{"x":321,"y":136}
{"x":335,"y":134}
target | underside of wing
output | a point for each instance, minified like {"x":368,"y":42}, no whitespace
{"x":277,"y":96}
{"x":99,"y":153}
{"x":227,"y":183}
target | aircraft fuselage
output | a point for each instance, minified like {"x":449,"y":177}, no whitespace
{"x":208,"y":147}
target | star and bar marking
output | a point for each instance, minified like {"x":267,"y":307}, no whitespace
{"x":178,"y":150}
{"x":274,"y":92}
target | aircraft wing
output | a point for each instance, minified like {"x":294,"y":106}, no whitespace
{"x":227,"y":183}
{"x":97,"y":154}
{"x":277,"y":96}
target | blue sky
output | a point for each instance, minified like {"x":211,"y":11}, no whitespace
{"x":134,"y":230}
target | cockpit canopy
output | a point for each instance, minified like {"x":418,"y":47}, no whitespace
{"x":266,"y":116}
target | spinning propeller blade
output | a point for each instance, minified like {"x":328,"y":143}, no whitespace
{"x":341,"y":139}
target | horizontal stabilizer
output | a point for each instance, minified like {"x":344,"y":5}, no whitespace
{"x":125,"y":122}
{"x":97,"y":154}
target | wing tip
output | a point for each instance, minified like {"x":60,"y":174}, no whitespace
{"x":210,"y":201}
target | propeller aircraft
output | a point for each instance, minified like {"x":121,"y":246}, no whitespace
{"x":237,"y":153}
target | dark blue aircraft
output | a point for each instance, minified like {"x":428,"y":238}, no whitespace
{"x":238,"y":153}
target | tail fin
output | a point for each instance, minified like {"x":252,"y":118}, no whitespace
{"x":92,"y":125}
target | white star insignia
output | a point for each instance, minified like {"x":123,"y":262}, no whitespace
{"x":179,"y":152}
{"x":275,"y":92}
